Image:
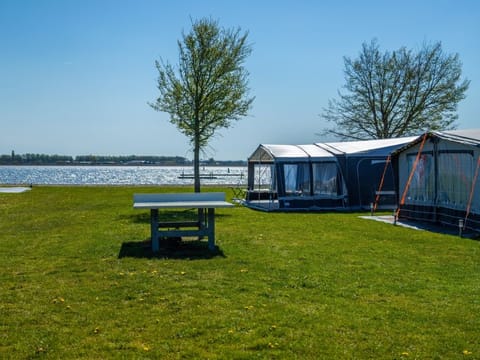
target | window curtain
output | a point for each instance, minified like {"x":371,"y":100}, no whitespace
{"x":264,"y":177}
{"x":422,"y":186}
{"x":455,"y":176}
{"x":325,"y":179}
{"x":297,"y":179}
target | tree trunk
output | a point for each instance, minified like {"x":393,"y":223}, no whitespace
{"x":196,"y":155}
{"x":196,"y":176}
{"x":196,"y":168}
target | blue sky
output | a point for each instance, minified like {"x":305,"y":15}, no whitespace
{"x":76,"y":75}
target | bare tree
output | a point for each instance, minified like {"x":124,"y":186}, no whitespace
{"x":397,"y":94}
{"x":210,"y":88}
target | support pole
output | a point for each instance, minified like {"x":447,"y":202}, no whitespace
{"x":211,"y":229}
{"x":472,"y":192}
{"x":410,"y":177}
{"x":377,"y":197}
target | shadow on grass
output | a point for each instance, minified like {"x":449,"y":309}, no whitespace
{"x":177,"y":249}
{"x":139,"y":218}
{"x":446,"y":229}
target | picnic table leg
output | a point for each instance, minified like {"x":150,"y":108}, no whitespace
{"x":154,"y":229}
{"x":211,"y":228}
{"x":202,"y":220}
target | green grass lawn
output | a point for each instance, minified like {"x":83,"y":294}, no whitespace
{"x":77,"y":280}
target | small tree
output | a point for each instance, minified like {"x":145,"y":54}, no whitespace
{"x":397,"y":94}
{"x":210,"y":89}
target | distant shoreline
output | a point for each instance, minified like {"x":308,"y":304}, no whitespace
{"x":107,"y":160}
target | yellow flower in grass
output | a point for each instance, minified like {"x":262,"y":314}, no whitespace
{"x":466,"y":352}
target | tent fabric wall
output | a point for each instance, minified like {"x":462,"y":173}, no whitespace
{"x":443,"y":184}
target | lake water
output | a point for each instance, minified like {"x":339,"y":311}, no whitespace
{"x":119,"y":175}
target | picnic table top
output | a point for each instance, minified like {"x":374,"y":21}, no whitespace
{"x":180,"y":200}
{"x":200,"y":204}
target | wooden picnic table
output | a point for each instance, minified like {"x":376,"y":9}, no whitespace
{"x":205,"y":226}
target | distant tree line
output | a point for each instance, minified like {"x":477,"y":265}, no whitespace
{"x":131,"y":160}
{"x":44,"y":159}
{"x":34,"y":159}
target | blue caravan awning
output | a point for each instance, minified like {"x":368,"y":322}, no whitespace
{"x":336,"y":175}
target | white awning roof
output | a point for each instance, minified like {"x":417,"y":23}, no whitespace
{"x":269,"y":152}
{"x":380,"y":147}
{"x":471,"y":137}
{"x":467,"y":137}
{"x":328,"y":151}
{"x":316,"y":153}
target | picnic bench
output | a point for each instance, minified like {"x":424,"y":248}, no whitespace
{"x":204,"y":226}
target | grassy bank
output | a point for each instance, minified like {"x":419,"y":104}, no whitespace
{"x":77,"y":281}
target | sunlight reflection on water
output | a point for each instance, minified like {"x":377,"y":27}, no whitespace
{"x":120,"y":175}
